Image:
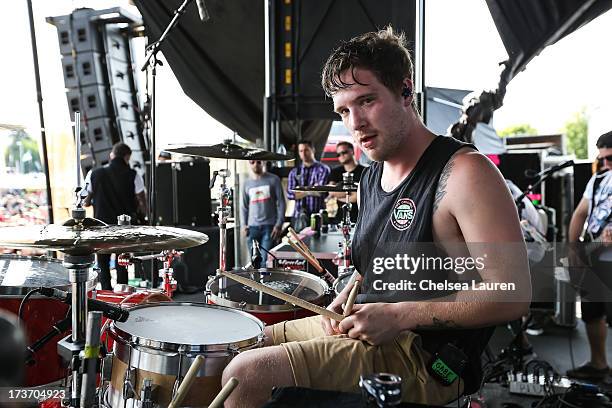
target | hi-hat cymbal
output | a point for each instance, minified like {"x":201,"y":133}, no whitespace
{"x":227,"y":150}
{"x":100,"y":238}
{"x":338,"y":188}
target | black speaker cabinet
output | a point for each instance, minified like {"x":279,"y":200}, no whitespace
{"x":192,"y":270}
{"x":582,"y":174}
{"x":182,"y":195}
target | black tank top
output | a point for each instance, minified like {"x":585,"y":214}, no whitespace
{"x":387,"y":222}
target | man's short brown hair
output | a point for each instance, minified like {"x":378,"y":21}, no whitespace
{"x":383,"y":52}
{"x":121,"y":150}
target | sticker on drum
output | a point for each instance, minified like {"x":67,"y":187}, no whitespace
{"x":266,"y":307}
{"x":159,"y":341}
{"x":18,"y":276}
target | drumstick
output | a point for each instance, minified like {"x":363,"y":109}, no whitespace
{"x":306,"y":256}
{"x":329,"y":278}
{"x":284,"y":296}
{"x":186,"y":383}
{"x":224,"y":393}
{"x":297,"y":238}
{"x":348,"y":307}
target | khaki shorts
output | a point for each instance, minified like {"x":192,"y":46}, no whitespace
{"x":336,"y":362}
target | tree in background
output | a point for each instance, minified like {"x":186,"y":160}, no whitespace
{"x":576,"y":130}
{"x":22,"y":154}
{"x":523,"y":129}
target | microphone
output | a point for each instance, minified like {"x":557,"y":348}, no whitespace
{"x":109,"y":311}
{"x":557,"y":167}
{"x":256,"y":255}
{"x":204,"y":16}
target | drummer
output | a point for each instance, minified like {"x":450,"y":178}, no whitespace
{"x":420,"y":188}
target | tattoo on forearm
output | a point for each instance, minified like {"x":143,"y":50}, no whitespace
{"x":440,"y":324}
{"x":442,"y":183}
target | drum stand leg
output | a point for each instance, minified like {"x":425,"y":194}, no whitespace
{"x":70,"y":347}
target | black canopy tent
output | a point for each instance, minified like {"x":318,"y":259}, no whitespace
{"x":526,"y":27}
{"x":220,"y":64}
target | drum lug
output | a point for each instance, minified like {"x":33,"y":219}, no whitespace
{"x":243,"y":305}
{"x":146,"y":393}
{"x":128,"y":388}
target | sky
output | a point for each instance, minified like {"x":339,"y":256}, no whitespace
{"x":463,"y":50}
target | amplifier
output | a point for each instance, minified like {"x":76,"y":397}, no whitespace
{"x":182,"y":193}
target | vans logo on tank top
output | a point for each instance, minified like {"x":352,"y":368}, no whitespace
{"x":403,"y":214}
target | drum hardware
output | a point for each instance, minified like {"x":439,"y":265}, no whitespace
{"x":283,"y":296}
{"x":146,"y":399}
{"x":381,"y":390}
{"x":166,"y":273}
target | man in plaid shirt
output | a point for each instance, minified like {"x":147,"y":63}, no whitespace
{"x":309,"y":173}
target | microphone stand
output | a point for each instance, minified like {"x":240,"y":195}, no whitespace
{"x":151,"y":62}
{"x":544,"y":175}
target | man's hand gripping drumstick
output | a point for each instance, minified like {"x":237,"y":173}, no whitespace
{"x":342,"y":304}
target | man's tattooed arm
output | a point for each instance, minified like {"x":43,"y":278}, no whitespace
{"x":439,"y":324}
{"x":443,"y":182}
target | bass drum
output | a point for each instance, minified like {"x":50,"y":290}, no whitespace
{"x":268,"y":308}
{"x":160,"y":342}
{"x":18,"y":276}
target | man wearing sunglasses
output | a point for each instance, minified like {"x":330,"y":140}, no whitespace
{"x":346,"y":156}
{"x":262,"y":207}
{"x":595,"y":211}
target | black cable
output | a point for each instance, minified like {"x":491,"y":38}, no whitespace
{"x":24,"y":300}
{"x":268,"y":252}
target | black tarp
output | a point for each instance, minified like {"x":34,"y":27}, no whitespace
{"x":526,"y":27}
{"x":220,"y":63}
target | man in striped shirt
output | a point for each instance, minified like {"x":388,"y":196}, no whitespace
{"x":309,"y":173}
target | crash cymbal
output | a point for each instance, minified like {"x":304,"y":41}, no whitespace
{"x":227,"y":150}
{"x":338,"y":188}
{"x":100,"y":238}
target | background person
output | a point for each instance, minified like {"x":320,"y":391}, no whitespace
{"x":309,"y":173}
{"x":113,"y":190}
{"x":262,"y":207}
{"x":346,"y":156}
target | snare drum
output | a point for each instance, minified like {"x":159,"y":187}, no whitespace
{"x":127,"y":299}
{"x":159,"y":341}
{"x":19,"y":275}
{"x":268,"y":308}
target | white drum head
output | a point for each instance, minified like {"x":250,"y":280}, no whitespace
{"x":192,"y":324}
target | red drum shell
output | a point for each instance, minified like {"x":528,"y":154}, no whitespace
{"x":271,"y":314}
{"x":19,"y":275}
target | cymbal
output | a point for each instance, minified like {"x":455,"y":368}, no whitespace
{"x":227,"y":150}
{"x":338,"y":188}
{"x":100,"y":238}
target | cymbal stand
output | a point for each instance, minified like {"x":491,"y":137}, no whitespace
{"x":345,"y":226}
{"x":223,"y":214}
{"x":79,"y":266}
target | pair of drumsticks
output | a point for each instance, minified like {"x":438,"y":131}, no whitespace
{"x":348,"y":307}
{"x":296,"y":243}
